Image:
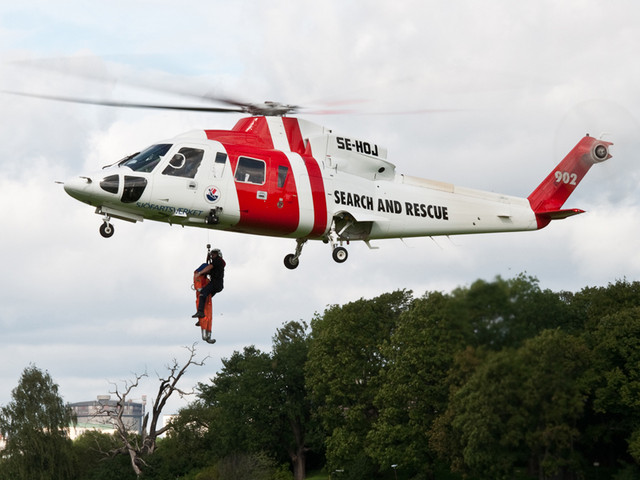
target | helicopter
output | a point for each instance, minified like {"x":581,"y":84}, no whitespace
{"x":279,"y":175}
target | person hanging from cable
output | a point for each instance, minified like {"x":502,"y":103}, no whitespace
{"x":207,"y":288}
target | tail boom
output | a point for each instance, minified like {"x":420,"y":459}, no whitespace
{"x":547,"y":199}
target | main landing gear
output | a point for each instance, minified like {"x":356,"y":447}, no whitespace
{"x":292,"y":260}
{"x":340,"y":254}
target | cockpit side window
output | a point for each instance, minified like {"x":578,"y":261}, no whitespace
{"x":221,"y":158}
{"x":250,"y":170}
{"x":146,"y":160}
{"x":185,"y":163}
{"x":219,"y":164}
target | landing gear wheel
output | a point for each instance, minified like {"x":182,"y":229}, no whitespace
{"x":106,"y":230}
{"x":340,"y":254}
{"x":291,"y":261}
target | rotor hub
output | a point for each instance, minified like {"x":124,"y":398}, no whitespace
{"x":269,"y":109}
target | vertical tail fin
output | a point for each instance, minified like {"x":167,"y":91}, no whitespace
{"x":547,"y":199}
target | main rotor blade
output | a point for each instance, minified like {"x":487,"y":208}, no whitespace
{"x":70,"y":67}
{"x":109,"y":103}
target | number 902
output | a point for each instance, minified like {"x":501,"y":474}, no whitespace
{"x":566,"y":177}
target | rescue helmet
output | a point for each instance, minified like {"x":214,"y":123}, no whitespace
{"x":217,"y":252}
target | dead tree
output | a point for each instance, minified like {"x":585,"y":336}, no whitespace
{"x":137,"y":447}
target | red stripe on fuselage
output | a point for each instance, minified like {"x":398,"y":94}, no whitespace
{"x":296,"y":143}
{"x":251,"y":137}
{"x":265,"y":209}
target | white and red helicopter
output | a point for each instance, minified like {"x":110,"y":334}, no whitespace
{"x":282,"y":176}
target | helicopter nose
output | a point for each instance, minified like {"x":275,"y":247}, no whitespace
{"x":78,"y":188}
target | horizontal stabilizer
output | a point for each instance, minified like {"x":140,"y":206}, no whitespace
{"x":559,"y":214}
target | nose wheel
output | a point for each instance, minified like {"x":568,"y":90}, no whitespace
{"x":106,"y":229}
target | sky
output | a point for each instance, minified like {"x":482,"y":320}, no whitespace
{"x":488,"y":95}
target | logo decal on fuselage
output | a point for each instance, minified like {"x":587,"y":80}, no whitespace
{"x":212,"y":194}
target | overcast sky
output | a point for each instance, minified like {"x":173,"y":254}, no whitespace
{"x":519,"y":82}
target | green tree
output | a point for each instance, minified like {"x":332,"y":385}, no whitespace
{"x":504,"y":313}
{"x":93,"y":461}
{"x":615,"y":424}
{"x":189,"y":446}
{"x":244,"y":396}
{"x":259,"y":400}
{"x":520,"y":408}
{"x":343,"y":375}
{"x":35,"y":424}
{"x":592,"y":304}
{"x":413,"y":382}
{"x":290,"y":352}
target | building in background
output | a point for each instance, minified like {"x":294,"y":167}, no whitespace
{"x":94,"y":415}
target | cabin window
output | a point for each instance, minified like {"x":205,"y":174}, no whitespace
{"x":146,"y":160}
{"x":282,"y":175}
{"x":250,"y":170}
{"x":185,"y":163}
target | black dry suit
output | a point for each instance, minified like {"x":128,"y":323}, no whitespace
{"x":216,"y":284}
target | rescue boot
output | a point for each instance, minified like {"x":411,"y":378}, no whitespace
{"x":206,"y":336}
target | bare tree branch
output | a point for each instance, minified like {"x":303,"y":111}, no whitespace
{"x":146,"y":444}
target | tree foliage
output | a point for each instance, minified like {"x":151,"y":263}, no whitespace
{"x":289,"y":355}
{"x":498,"y":379}
{"x":519,"y":407}
{"x":344,"y":374}
{"x":615,"y":342}
{"x":93,"y":460}
{"x":490,"y":380}
{"x":245,"y":395}
{"x":413,"y":390}
{"x":260,"y":401}
{"x":35,"y":424}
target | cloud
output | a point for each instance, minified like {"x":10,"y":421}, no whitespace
{"x":523,"y":83}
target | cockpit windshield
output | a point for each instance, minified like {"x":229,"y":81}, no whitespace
{"x":146,"y":160}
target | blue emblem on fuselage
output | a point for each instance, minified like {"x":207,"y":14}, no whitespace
{"x":212,"y":194}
